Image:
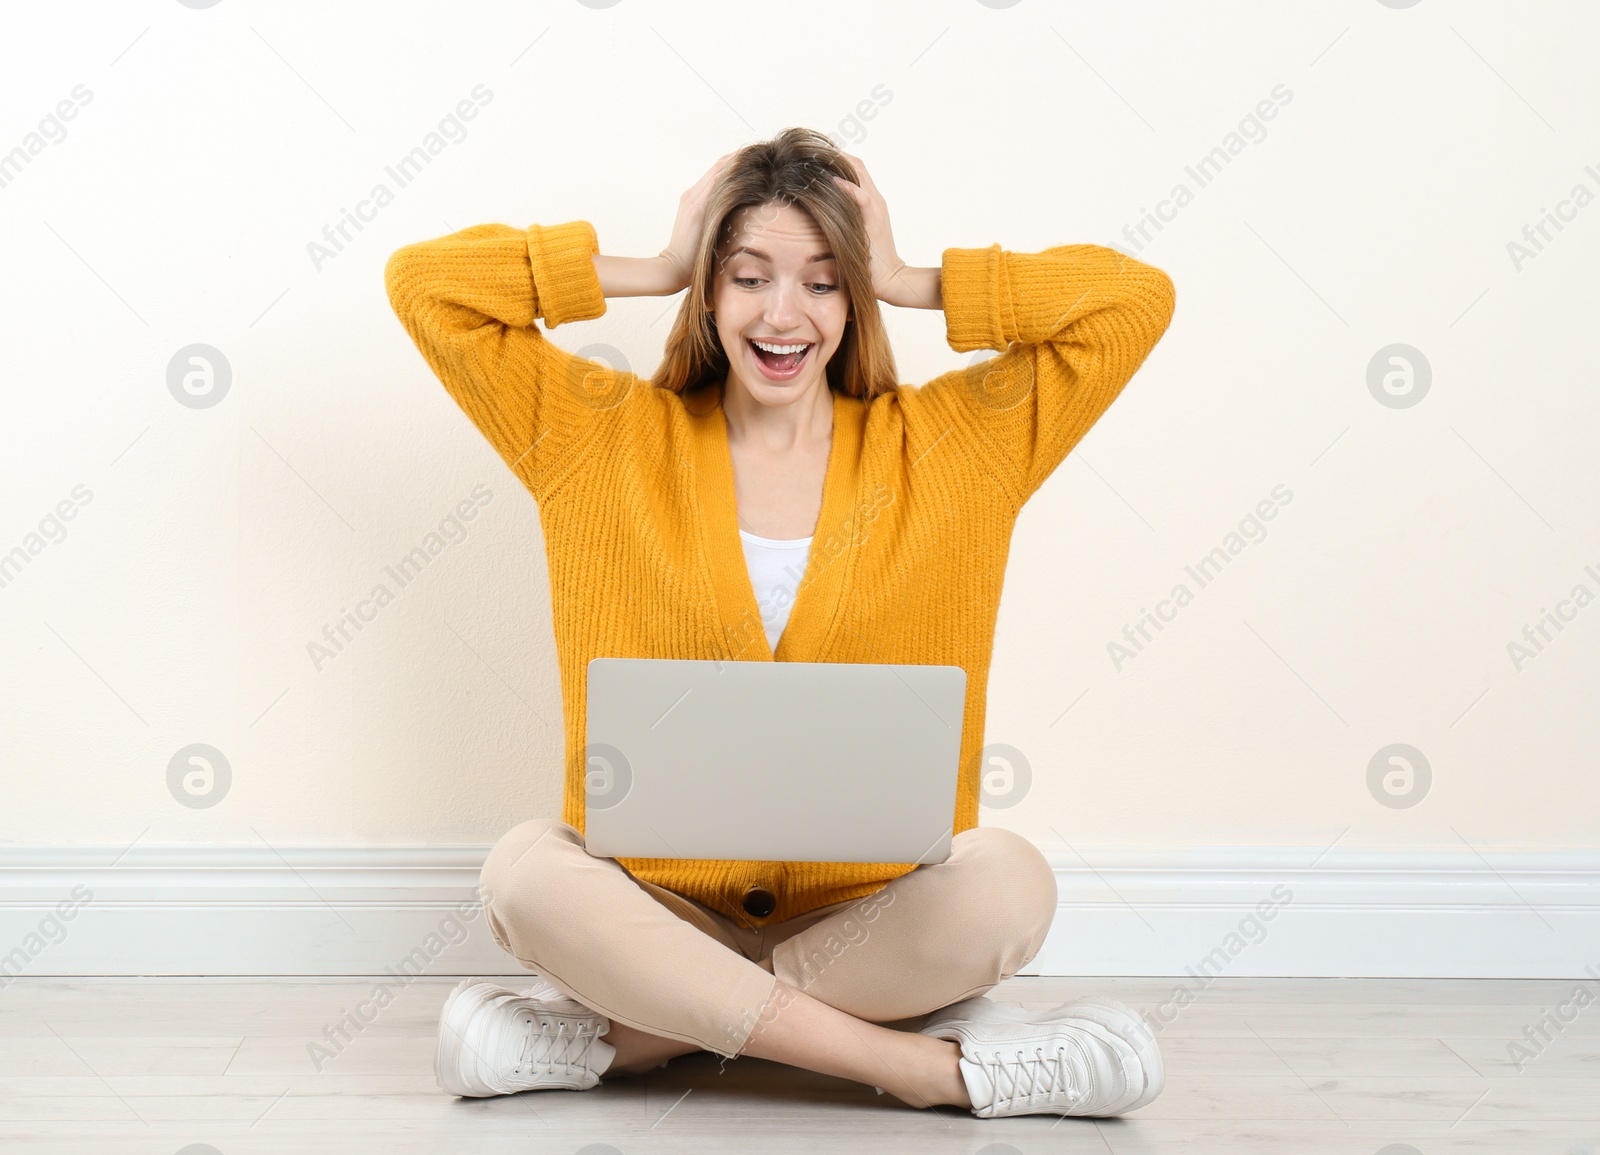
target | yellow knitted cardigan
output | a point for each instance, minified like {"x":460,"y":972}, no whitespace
{"x":635,"y":484}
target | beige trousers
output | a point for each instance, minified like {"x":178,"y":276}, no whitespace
{"x":658,"y":961}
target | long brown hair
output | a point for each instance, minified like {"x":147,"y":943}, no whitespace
{"x":795,"y":167}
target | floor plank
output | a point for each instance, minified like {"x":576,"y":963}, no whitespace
{"x":1314,"y":1066}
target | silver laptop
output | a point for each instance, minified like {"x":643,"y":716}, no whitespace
{"x":772,"y":761}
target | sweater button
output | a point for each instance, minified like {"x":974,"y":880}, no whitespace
{"x":759,"y":902}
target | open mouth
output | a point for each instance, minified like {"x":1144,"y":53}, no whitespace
{"x":781,"y":360}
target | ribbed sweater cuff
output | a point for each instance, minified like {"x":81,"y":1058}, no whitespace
{"x":564,"y":279}
{"x":977,"y":300}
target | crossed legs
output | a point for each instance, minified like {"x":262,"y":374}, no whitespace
{"x":673,"y":977}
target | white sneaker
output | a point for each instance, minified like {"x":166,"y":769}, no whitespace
{"x":494,"y":1041}
{"x":1087,"y":1057}
{"x":1130,"y":1026}
{"x":546,"y":990}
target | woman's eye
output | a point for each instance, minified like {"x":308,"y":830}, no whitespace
{"x":815,"y":285}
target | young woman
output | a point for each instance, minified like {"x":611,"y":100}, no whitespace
{"x":774,"y":493}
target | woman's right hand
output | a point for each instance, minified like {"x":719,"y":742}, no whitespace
{"x":680,"y":251}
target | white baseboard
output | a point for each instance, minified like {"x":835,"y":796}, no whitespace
{"x":227,"y":910}
{"x":1377,"y":914}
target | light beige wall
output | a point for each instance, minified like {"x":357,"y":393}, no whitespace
{"x":213,"y":545}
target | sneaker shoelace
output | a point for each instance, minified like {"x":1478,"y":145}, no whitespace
{"x":1018,"y":1079}
{"x":553,"y":1045}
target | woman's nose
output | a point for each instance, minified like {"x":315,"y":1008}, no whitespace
{"x":782,"y":308}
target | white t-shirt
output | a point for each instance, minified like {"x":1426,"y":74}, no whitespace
{"x":776,"y":568}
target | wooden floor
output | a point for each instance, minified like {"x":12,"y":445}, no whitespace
{"x":1286,"y":1066}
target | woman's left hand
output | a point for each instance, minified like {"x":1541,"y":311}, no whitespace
{"x":889,"y":280}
